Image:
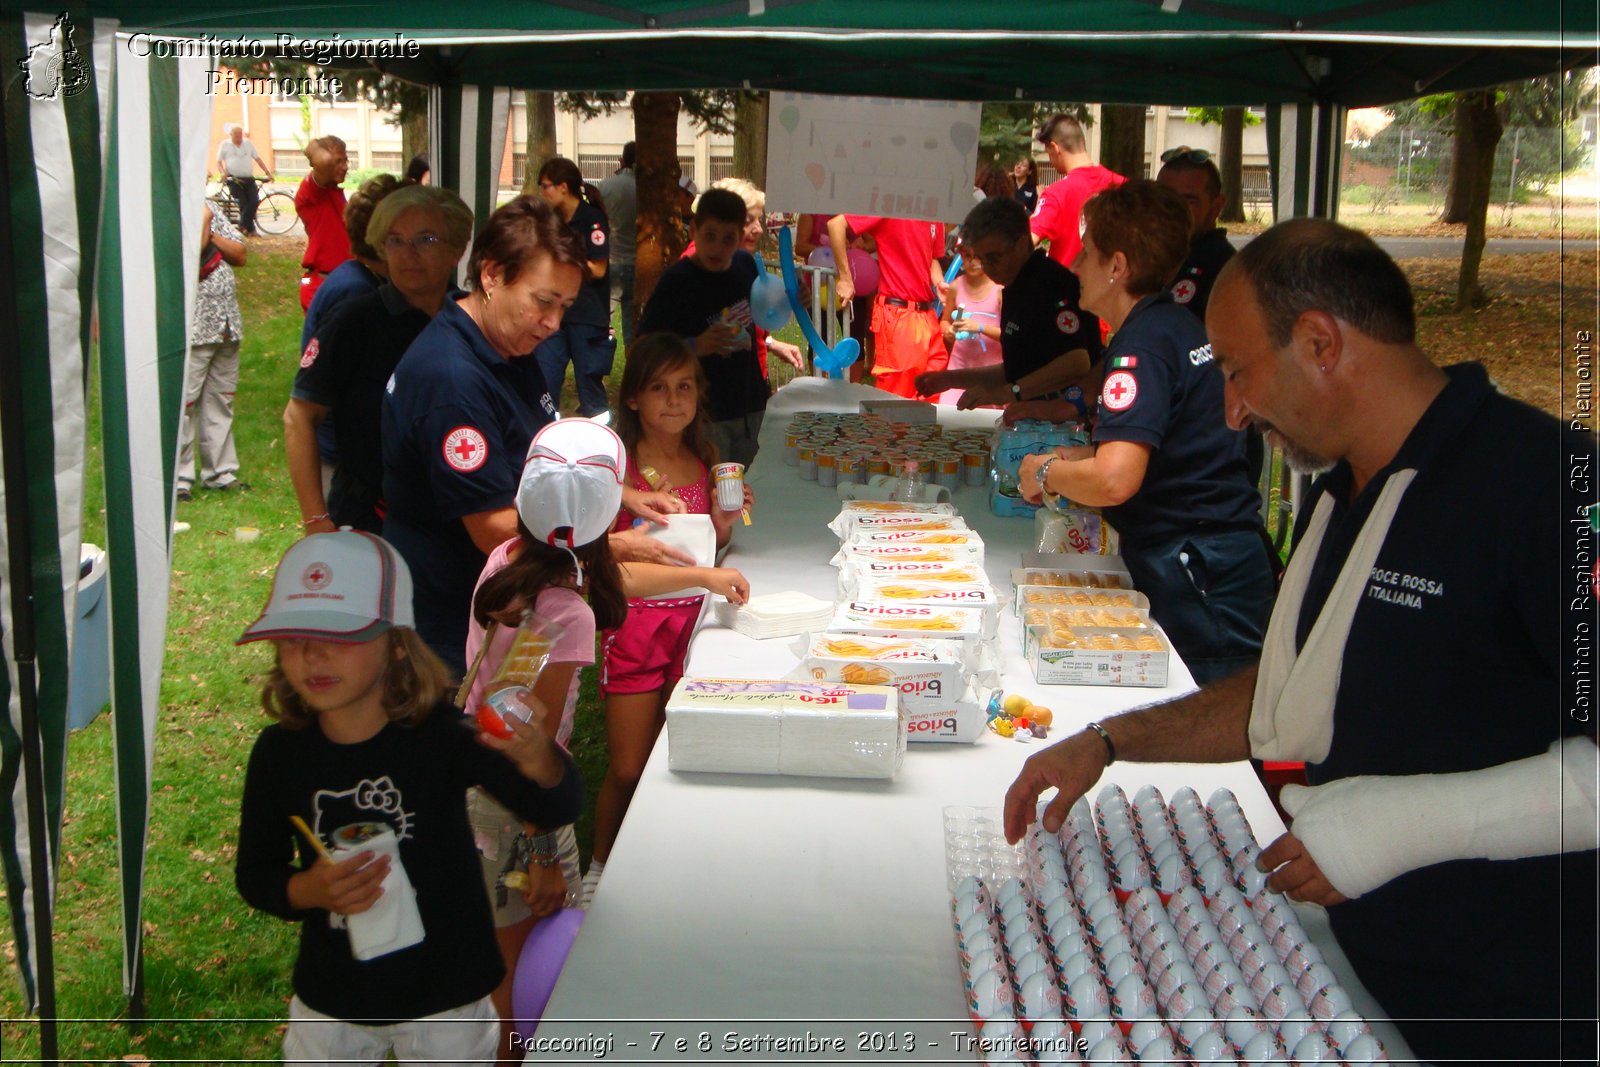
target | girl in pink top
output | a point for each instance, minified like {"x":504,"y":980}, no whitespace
{"x":971,"y":322}
{"x":660,"y":420}
{"x":525,"y":574}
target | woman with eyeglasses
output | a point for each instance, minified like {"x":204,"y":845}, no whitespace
{"x":457,"y":425}
{"x":584,"y":339}
{"x":1164,"y":465}
{"x":419,"y":234}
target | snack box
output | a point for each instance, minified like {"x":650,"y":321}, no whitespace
{"x":914,"y":411}
{"x":1067,"y":618}
{"x":812,"y":729}
{"x":919,"y":667}
{"x":1088,"y":665}
{"x":971,"y":625}
{"x":916,"y":537}
{"x":1087,"y":562}
{"x":963,"y":572}
{"x":901,"y":589}
{"x":882,"y":506}
{"x":849,"y":523}
{"x":910,"y":553}
{"x":958,"y":720}
{"x":1031,"y":597}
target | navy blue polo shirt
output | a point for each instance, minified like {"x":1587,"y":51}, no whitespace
{"x":345,"y":368}
{"x":593,"y":305}
{"x":348,"y":279}
{"x":1162,"y":389}
{"x":1208,"y":253}
{"x":690,"y":299}
{"x":1454,"y":663}
{"x":455,"y":435}
{"x":1040,"y":318}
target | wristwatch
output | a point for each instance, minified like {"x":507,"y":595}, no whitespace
{"x":1016,"y":390}
{"x":1043,"y":470}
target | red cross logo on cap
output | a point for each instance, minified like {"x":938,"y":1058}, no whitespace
{"x":317,"y":576}
{"x":465,"y":449}
{"x":1119,"y":392}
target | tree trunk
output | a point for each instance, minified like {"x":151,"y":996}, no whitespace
{"x":660,"y":241}
{"x":413,"y":120}
{"x":1122,"y":139}
{"x":541,"y":140}
{"x":1457,"y":206}
{"x":1476,"y":138}
{"x":750,"y":138}
{"x":1231,"y":163}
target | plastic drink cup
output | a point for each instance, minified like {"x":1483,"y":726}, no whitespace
{"x":729,"y":478}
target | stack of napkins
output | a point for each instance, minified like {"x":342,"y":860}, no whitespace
{"x":814,"y":729}
{"x":774,"y":614}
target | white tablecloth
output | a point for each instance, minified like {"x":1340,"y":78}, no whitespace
{"x":796,"y":906}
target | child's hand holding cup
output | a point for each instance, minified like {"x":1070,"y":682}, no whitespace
{"x":731,"y":492}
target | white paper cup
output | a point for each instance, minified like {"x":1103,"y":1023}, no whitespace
{"x":393,"y":923}
{"x":730,"y":485}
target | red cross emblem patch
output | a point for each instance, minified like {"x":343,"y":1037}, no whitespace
{"x":317,"y":576}
{"x":597,"y":236}
{"x":1067,"y":321}
{"x":465,"y":449}
{"x":1119,"y":391}
{"x":309,"y":356}
{"x":1184,"y":291}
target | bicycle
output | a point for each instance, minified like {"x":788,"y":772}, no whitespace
{"x":275,"y":213}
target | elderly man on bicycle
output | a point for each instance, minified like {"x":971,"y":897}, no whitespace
{"x":236,"y":160}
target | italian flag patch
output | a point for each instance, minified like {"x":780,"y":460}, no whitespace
{"x":1122,"y":362}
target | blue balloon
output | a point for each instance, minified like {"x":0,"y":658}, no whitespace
{"x":831,"y":361}
{"x":835,"y":360}
{"x":769,"y":303}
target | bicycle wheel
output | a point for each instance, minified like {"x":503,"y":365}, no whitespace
{"x":275,"y":214}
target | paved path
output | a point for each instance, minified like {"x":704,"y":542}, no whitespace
{"x":1447,"y":247}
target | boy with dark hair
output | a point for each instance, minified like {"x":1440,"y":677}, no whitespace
{"x":705,"y":299}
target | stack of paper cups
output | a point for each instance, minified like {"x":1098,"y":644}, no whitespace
{"x":730,"y":485}
{"x":392,"y":923}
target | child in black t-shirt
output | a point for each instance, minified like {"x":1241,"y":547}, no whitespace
{"x":705,"y":299}
{"x":372,"y":760}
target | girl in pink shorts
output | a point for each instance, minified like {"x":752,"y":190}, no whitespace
{"x":669,"y":448}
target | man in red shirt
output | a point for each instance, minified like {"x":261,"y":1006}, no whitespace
{"x":320,"y":204}
{"x":1061,"y":204}
{"x":905,"y":330}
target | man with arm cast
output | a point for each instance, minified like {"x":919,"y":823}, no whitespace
{"x":1412,"y":660}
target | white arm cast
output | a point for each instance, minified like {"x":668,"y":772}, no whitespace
{"x":1364,"y":831}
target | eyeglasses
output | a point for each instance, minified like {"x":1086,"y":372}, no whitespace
{"x":421,"y":244}
{"x":1187,"y":154}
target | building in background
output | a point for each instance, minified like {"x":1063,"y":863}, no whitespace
{"x":280,"y":126}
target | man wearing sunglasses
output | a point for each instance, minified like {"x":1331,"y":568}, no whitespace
{"x":1059,"y":217}
{"x":1193,"y":175}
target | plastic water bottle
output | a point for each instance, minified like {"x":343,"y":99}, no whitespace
{"x":909,"y":490}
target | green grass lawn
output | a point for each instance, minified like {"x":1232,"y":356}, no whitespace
{"x":216,"y":972}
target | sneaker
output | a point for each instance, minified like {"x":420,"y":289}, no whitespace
{"x":185,"y":494}
{"x":234,"y":486}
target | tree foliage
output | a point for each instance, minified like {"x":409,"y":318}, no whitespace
{"x":1212,"y":116}
{"x":1006,"y":128}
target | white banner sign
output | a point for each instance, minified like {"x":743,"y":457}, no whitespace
{"x":865,"y":155}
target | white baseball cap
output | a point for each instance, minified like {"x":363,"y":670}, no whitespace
{"x":347,"y":587}
{"x":687,"y":184}
{"x":571,"y":488}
